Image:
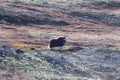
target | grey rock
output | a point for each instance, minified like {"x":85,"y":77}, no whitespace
{"x":6,"y":51}
{"x":19,"y":51}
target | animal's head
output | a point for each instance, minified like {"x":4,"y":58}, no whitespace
{"x":62,"y":39}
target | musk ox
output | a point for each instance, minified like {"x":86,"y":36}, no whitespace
{"x":57,"y":42}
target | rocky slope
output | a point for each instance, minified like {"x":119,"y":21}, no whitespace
{"x":100,"y":63}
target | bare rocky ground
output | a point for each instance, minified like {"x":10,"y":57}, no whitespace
{"x":92,"y":29}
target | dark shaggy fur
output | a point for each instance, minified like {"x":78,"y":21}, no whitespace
{"x":57,"y":42}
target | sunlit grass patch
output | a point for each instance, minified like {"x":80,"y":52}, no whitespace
{"x":19,"y":45}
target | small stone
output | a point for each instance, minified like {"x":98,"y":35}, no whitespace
{"x":19,"y":51}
